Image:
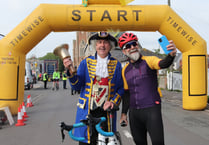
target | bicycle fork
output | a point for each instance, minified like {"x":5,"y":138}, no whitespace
{"x":111,"y":140}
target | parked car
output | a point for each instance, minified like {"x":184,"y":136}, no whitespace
{"x":28,"y":76}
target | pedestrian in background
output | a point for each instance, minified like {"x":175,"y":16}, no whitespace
{"x":45,"y":79}
{"x":141,"y":95}
{"x":40,"y":77}
{"x":64,"y":79}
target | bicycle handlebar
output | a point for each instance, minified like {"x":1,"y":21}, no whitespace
{"x":76,"y":126}
{"x":69,"y":128}
{"x":86,"y":122}
{"x":99,"y":129}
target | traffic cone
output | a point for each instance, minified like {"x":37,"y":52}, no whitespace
{"x":29,"y":102}
{"x":24,"y":110}
{"x":21,"y":109}
{"x":19,"y":118}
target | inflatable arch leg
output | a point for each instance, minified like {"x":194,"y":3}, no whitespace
{"x":48,"y":17}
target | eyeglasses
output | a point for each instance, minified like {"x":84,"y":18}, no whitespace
{"x":102,"y":34}
{"x":128,"y":45}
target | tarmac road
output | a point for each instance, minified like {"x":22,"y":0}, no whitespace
{"x":181,"y":127}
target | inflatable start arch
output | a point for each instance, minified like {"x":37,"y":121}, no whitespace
{"x":96,"y":17}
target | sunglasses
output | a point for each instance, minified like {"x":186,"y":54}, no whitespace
{"x":102,"y":34}
{"x":128,"y":45}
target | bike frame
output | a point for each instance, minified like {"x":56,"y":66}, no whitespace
{"x":112,"y":140}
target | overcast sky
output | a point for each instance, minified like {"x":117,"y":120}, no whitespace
{"x":12,"y":12}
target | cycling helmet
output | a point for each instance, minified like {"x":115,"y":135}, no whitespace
{"x":126,"y":37}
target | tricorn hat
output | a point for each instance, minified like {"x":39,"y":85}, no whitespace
{"x":104,"y":36}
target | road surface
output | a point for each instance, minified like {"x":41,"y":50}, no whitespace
{"x":51,"y":107}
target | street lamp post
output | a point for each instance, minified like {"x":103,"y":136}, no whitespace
{"x":169,"y":2}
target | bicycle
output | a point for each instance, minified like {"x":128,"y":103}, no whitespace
{"x":104,"y":138}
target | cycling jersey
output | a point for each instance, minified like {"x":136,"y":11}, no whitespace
{"x":139,"y":78}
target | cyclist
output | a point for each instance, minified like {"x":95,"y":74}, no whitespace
{"x":100,"y":83}
{"x":56,"y":77}
{"x":141,"y":95}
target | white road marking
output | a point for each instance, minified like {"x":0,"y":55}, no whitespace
{"x":36,"y":98}
{"x":127,"y":134}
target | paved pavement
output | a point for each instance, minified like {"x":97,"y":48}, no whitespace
{"x":195,"y":122}
{"x":176,"y":98}
{"x":189,"y":127}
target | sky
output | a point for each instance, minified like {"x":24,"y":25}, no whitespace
{"x":12,"y":12}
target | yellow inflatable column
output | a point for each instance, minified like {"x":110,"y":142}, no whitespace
{"x":13,"y":50}
{"x":194,"y":60}
{"x":195,"y":79}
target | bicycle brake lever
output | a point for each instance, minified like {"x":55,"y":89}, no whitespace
{"x":62,"y":124}
{"x":64,"y":127}
{"x":115,"y":108}
{"x":63,"y":135}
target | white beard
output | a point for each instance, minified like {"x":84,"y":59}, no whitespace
{"x":134,"y":56}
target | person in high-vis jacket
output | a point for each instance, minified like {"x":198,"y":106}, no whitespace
{"x":56,"y":78}
{"x":100,"y":83}
{"x":64,"y":79}
{"x":141,"y":97}
{"x":45,"y":79}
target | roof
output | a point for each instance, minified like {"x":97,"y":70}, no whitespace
{"x":118,"y":54}
{"x":146,"y":52}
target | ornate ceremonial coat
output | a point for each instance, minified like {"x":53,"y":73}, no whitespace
{"x":83,"y":81}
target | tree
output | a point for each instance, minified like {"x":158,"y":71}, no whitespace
{"x":157,"y":51}
{"x":51,"y":56}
